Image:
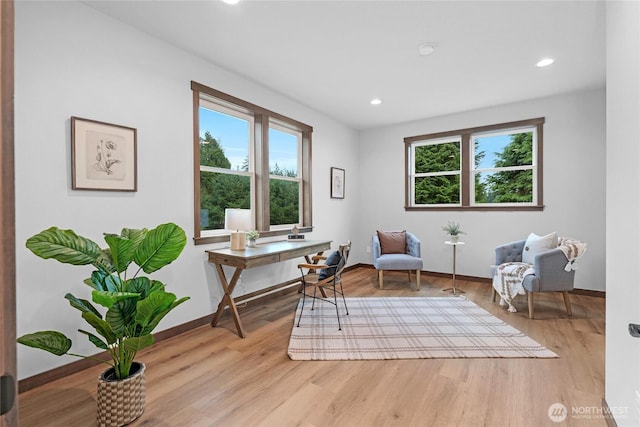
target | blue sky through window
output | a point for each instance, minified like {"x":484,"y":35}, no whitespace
{"x":490,"y":145}
{"x":232,"y":133}
{"x":283,"y":150}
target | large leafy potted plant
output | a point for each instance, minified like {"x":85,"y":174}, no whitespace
{"x":134,"y":304}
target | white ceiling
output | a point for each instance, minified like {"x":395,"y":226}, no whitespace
{"x":335,"y":56}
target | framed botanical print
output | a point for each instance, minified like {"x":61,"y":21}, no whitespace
{"x":337,"y":183}
{"x":103,"y":156}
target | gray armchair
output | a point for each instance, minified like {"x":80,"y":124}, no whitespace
{"x":550,"y":274}
{"x":409,"y":260}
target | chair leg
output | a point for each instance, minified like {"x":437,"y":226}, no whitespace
{"x":530,"y":298}
{"x":335,"y":301}
{"x":494,"y":293}
{"x":343,"y":298}
{"x":304,"y":294}
{"x":418,"y":279}
{"x":380,"y":279}
{"x":409,"y":273}
{"x":567,"y":303}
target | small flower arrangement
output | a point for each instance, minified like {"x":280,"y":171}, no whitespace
{"x":453,"y":229}
{"x":252,"y":235}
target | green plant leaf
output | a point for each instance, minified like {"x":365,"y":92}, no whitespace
{"x":51,"y":341}
{"x":95,"y":340}
{"x":149,"y":307}
{"x":89,"y":281}
{"x":101,"y":326}
{"x":160,"y":247}
{"x":154,"y":318}
{"x":135,"y":344}
{"x":137,"y":236}
{"x":104,"y":262}
{"x":82,"y":304}
{"x":122,"y":250}
{"x":144,"y":286}
{"x":64,"y":246}
{"x":121,"y":317}
{"x":108,"y":299}
{"x":102,"y":281}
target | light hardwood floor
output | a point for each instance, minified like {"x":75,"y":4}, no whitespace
{"x":211,"y":377}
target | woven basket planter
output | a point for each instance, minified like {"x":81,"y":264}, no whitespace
{"x":120,"y":402}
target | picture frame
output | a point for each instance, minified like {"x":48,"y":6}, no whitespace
{"x":103,"y":156}
{"x":337,"y":183}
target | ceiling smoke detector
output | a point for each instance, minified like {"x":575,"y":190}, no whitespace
{"x":426,"y":49}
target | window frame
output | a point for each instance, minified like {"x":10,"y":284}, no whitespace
{"x":259,"y":155}
{"x":468,"y":168}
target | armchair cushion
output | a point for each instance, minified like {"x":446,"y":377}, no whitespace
{"x":536,"y":244}
{"x":398,"y":262}
{"x":392,"y":242}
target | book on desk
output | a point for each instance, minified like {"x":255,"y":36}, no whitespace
{"x":295,"y":237}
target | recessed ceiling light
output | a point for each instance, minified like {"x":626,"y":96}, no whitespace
{"x":544,"y":62}
{"x":231,"y":1}
{"x":376,"y":101}
{"x":426,"y":49}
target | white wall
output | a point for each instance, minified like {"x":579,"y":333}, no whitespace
{"x":622,"y":385}
{"x":574,"y":187}
{"x":73,"y":61}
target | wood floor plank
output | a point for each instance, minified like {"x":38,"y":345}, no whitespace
{"x":211,"y":377}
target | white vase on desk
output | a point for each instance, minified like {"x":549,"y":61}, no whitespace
{"x":251,"y":243}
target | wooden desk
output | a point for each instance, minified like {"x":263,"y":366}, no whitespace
{"x":262,"y":254}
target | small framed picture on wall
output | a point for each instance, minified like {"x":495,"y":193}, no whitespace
{"x":337,"y":183}
{"x":103,"y":156}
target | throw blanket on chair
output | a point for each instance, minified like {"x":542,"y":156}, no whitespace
{"x":572,"y":249}
{"x":508,"y":281}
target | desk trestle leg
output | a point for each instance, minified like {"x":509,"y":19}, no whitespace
{"x":227,"y":299}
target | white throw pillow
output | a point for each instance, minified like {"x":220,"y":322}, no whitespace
{"x":536,"y":244}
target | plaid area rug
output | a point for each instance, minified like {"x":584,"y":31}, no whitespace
{"x":406,"y":328}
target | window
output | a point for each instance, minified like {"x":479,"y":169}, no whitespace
{"x":436,"y":172}
{"x":503,"y":167}
{"x":285,"y":182}
{"x":226,"y":166}
{"x":490,"y":167}
{"x":250,"y":158}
